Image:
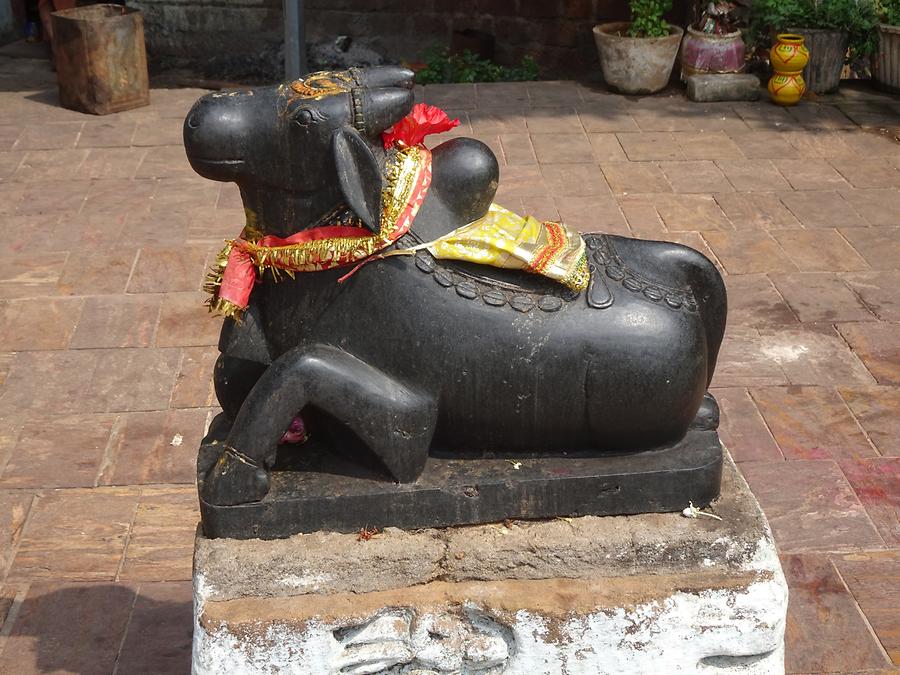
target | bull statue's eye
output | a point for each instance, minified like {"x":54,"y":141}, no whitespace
{"x":303,"y":117}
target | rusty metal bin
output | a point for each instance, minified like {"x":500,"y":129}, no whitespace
{"x":101,"y":61}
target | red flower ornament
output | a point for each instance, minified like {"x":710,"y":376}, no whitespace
{"x":423,"y":121}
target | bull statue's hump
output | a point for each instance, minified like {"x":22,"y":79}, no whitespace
{"x":398,"y":350}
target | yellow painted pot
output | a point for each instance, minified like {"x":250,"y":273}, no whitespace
{"x":788,"y":57}
{"x":786,"y":89}
{"x":789,"y":54}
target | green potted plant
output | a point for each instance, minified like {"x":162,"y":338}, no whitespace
{"x":834,"y":31}
{"x":637,"y":56}
{"x":886,"y":64}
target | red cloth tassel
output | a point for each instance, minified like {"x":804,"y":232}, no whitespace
{"x":238,"y":278}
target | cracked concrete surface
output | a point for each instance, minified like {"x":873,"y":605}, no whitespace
{"x":324,"y":562}
{"x":580,"y":595}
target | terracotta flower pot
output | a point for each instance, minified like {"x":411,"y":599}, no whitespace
{"x":705,"y":53}
{"x":826,"y":58}
{"x":636,"y":65}
{"x":887,"y":58}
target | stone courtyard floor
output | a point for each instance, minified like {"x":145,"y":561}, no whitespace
{"x":106,"y":350}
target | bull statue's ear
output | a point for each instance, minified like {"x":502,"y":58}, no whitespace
{"x":359,"y":176}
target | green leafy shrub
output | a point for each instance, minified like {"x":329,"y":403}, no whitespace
{"x":442,"y":66}
{"x":889,"y":12}
{"x":857,"y":17}
{"x":647,"y":18}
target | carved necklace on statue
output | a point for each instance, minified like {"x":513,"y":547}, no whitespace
{"x":500,"y":238}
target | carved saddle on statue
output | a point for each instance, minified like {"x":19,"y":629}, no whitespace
{"x":434,"y":392}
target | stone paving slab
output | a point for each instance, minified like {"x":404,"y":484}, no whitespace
{"x":106,"y":352}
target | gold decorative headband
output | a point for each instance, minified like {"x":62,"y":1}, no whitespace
{"x":322,"y":84}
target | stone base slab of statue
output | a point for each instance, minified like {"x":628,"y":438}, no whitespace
{"x":314,"y":488}
{"x":619,"y":594}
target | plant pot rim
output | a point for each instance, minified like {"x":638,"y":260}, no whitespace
{"x":713,"y":36}
{"x":792,"y":29}
{"x":99,"y":13}
{"x":608,"y":30}
{"x":790,"y":38}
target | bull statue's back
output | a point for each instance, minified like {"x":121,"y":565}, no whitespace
{"x":434,"y":380}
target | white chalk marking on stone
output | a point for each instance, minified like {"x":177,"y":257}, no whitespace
{"x":306,"y":581}
{"x":785,"y":353}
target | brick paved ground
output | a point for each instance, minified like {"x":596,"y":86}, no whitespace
{"x":106,"y":352}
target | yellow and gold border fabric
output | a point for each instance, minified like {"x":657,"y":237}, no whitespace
{"x":503,"y":239}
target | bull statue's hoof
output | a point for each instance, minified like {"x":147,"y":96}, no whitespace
{"x":234,"y":480}
{"x":708,"y":415}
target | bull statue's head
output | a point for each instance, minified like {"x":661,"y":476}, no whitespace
{"x":299,"y":149}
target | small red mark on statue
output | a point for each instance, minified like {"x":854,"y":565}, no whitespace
{"x":423,"y":121}
{"x":365,"y":533}
{"x":296,"y":432}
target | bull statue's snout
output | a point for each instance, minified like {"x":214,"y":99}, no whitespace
{"x":378,"y":109}
{"x":216,"y":131}
{"x":383,"y":98}
{"x":386,"y":76}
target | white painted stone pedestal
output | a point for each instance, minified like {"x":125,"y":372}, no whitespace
{"x":656,"y":593}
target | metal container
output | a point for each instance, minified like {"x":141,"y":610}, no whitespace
{"x":887,"y":58}
{"x":827,"y":49}
{"x":101,"y":61}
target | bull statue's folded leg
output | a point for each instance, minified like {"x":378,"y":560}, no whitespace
{"x":397,"y":427}
{"x":244,"y":358}
{"x":234,"y":379}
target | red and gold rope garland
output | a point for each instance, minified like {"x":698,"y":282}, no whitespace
{"x":500,"y":238}
{"x":242,"y":261}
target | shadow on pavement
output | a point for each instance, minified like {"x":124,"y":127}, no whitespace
{"x":99,"y":629}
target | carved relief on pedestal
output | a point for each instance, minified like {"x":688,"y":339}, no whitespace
{"x":403,"y":640}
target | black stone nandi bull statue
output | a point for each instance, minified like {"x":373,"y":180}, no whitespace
{"x":439,"y":392}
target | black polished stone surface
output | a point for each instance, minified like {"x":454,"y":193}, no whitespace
{"x":413,"y":359}
{"x":317,"y":490}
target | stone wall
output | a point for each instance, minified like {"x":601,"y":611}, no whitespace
{"x":556,"y":32}
{"x":9,"y":28}
{"x":223,"y":38}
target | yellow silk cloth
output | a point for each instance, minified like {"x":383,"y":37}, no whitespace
{"x":503,"y":239}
